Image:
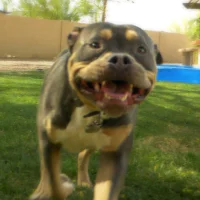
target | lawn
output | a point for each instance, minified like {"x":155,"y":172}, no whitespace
{"x":165,"y":161}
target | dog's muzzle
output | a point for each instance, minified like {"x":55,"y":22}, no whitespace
{"x":121,"y":84}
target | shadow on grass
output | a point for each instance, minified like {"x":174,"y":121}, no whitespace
{"x":18,"y":147}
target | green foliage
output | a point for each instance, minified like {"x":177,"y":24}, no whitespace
{"x":95,"y":8}
{"x":56,"y":9}
{"x":179,"y":27}
{"x":188,"y":27}
{"x":72,"y":10}
{"x":194,"y":28}
{"x":6,"y":4}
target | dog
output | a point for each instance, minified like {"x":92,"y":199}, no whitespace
{"x":89,"y":102}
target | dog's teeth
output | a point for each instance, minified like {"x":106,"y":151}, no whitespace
{"x":131,"y":87}
{"x":96,"y":87}
{"x":103,"y":83}
{"x":124,"y":97}
{"x":107,"y":96}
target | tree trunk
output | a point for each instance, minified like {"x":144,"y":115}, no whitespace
{"x":104,"y":10}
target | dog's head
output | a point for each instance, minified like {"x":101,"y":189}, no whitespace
{"x":111,"y":67}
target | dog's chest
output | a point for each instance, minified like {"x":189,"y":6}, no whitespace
{"x":74,"y":138}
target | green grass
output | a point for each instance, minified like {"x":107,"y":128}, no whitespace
{"x":165,"y":161}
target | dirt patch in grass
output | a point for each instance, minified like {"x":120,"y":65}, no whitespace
{"x":24,"y":65}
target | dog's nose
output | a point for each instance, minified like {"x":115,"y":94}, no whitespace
{"x":120,"y":61}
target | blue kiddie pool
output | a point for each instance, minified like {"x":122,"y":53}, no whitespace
{"x":178,"y":73}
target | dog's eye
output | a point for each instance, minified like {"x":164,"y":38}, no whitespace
{"x":95,"y":45}
{"x":141,"y":50}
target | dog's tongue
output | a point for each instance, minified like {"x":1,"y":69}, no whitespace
{"x":112,"y":87}
{"x":116,"y":90}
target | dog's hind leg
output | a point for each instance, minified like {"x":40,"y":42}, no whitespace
{"x":52,"y":183}
{"x":83,"y":162}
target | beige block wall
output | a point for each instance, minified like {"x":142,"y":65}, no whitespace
{"x":25,"y":38}
{"x":29,"y":38}
{"x":169,"y":45}
{"x":155,"y":36}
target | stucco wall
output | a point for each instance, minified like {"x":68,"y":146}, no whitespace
{"x":23,"y":37}
{"x":169,"y":45}
{"x":29,"y":38}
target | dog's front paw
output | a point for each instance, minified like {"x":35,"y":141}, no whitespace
{"x":43,"y":191}
{"x":67,"y":184}
{"x":84,"y":182}
{"x":37,"y":196}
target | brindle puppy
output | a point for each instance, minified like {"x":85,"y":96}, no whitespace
{"x":98,"y":82}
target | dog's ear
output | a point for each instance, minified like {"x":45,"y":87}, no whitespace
{"x":73,"y":36}
{"x":159,"y":58}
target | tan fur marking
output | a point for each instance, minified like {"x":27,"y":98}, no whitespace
{"x":57,"y":189}
{"x":74,"y":138}
{"x":117,"y":135}
{"x":107,"y":139}
{"x":51,"y":130}
{"x":106,"y":34}
{"x":71,"y":61}
{"x":104,"y":179}
{"x":61,"y":190}
{"x":102,"y":189}
{"x":73,"y":68}
{"x":86,"y":70}
{"x":86,"y":101}
{"x":152,"y":77}
{"x":83,"y":162}
{"x":130,"y":34}
{"x":43,"y":189}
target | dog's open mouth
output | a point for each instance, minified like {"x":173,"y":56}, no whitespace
{"x":113,"y":92}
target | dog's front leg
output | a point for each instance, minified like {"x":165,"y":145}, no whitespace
{"x":83,"y":162}
{"x":52,"y":182}
{"x":111,"y":173}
